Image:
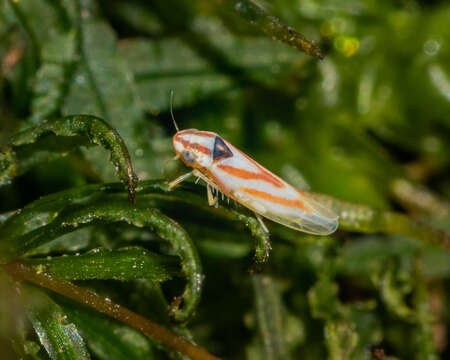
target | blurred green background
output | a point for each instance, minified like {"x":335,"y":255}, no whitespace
{"x":369,"y":124}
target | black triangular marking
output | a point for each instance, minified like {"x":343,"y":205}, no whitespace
{"x":221,"y":150}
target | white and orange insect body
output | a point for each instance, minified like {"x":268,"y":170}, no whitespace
{"x":228,"y":170}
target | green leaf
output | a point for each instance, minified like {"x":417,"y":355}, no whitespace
{"x":105,"y":88}
{"x":341,"y":340}
{"x":262,"y":243}
{"x":55,"y":216}
{"x":271,"y":318}
{"x":370,"y":253}
{"x":106,"y":338}
{"x":323,"y":298}
{"x":8,"y":167}
{"x":354,"y":217}
{"x":159,"y":191}
{"x":177,"y":64}
{"x":60,"y":338}
{"x":272,"y":26}
{"x":77,"y":130}
{"x":161,"y":66}
{"x":101,"y":264}
{"x":53,"y":77}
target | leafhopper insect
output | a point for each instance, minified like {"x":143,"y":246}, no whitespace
{"x":227,"y":170}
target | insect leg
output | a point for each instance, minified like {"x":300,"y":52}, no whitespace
{"x":212,"y":186}
{"x":261,"y":222}
{"x":179,"y":180}
{"x":212,"y":200}
{"x":204,"y":178}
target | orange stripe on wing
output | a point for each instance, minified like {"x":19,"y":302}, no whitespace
{"x":222,"y":187}
{"x":249,"y":175}
{"x":276,"y":199}
{"x":199,"y":148}
{"x":260,"y":168}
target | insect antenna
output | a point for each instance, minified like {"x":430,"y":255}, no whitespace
{"x":171,"y":110}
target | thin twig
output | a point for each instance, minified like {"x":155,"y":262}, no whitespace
{"x":103,"y":304}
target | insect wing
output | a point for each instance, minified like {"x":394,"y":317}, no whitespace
{"x":301,"y":213}
{"x":265,"y":193}
{"x":320,"y":221}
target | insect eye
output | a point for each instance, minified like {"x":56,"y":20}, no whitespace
{"x":188,"y":157}
{"x":221,"y":150}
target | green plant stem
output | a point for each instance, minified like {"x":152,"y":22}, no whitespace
{"x":272,"y":26}
{"x":104,"y":305}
